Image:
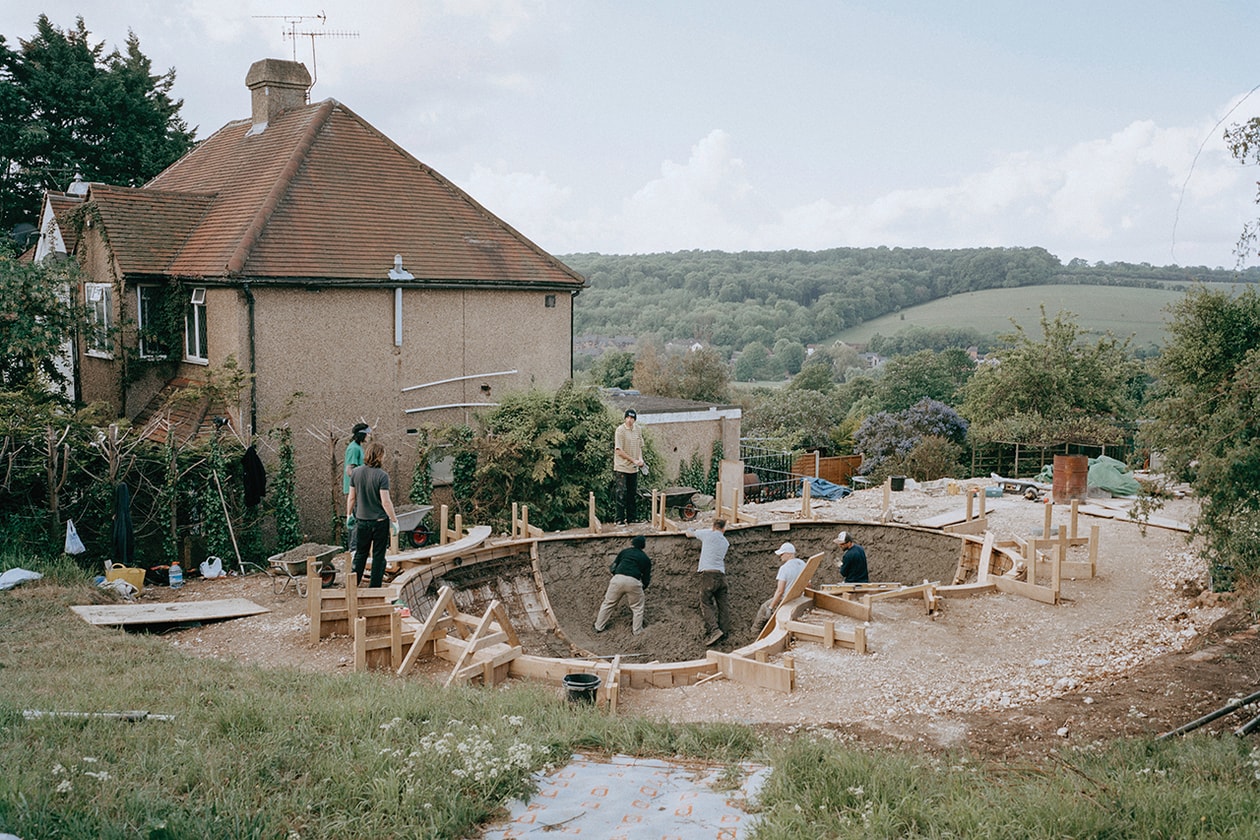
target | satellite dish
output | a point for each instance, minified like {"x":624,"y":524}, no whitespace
{"x":24,"y":235}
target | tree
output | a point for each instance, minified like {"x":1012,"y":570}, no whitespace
{"x":1205,"y":421}
{"x":886,"y":439}
{"x":923,"y":375}
{"x":1056,"y":382}
{"x":80,"y":110}
{"x":614,"y":369}
{"x":752,"y":362}
{"x":37,"y":318}
{"x":704,"y":376}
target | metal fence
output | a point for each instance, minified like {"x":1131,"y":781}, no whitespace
{"x":768,"y":474}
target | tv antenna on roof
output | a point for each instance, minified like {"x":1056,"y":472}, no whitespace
{"x":292,"y":32}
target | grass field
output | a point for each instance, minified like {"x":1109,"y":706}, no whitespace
{"x":1122,"y":310}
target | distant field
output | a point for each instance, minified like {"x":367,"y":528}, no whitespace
{"x":1122,"y":310}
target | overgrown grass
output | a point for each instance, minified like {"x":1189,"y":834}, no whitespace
{"x":256,"y":753}
{"x":1201,"y":787}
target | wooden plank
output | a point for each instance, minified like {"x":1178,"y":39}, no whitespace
{"x":445,"y":598}
{"x":472,"y":642}
{"x":501,"y":616}
{"x":1028,"y":590}
{"x":826,"y":633}
{"x":794,"y":591}
{"x":986,"y":557}
{"x":750,"y":672}
{"x":175,"y":612}
{"x":903,"y":592}
{"x":840,"y":606}
{"x":434,"y":553}
{"x":487,"y":661}
{"x":963,"y":590}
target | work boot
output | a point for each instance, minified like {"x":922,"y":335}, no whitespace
{"x":714,"y":637}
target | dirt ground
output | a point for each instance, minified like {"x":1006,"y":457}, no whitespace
{"x":1140,"y":649}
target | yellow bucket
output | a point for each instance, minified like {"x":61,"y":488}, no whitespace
{"x":133,"y":576}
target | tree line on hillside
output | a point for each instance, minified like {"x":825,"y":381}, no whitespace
{"x":730,"y":300}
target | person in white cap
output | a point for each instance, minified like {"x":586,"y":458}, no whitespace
{"x":853,"y":563}
{"x":790,"y":568}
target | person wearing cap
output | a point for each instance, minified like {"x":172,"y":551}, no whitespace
{"x":853,"y":562}
{"x":711,"y":583}
{"x":353,"y":458}
{"x":627,"y":461}
{"x":631,"y":573}
{"x":354,"y":454}
{"x":790,"y":568}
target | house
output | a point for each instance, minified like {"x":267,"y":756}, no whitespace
{"x":348,"y":279}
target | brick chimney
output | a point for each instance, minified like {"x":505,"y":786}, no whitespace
{"x":276,"y":86}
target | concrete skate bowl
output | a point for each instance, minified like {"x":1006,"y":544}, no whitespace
{"x":553,"y":586}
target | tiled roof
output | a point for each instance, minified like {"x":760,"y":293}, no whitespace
{"x":147,"y":228}
{"x":179,"y":412}
{"x":319,"y":194}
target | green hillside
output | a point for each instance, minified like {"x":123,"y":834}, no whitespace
{"x":1122,"y":310}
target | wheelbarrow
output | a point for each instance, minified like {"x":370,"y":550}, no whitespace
{"x":679,"y":499}
{"x":411,"y":531}
{"x":285,"y":573}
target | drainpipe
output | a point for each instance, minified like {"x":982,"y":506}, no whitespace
{"x":253,"y":378}
{"x":572,"y":305}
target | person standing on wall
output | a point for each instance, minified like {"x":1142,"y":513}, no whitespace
{"x":631,"y":573}
{"x":790,"y":568}
{"x":353,"y":458}
{"x":853,"y":562}
{"x":627,"y":461}
{"x":711,"y":581}
{"x":370,"y":508}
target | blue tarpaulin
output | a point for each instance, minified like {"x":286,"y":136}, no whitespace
{"x":821,"y":488}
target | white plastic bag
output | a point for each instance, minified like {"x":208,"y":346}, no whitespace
{"x":211,"y":567}
{"x":74,"y":545}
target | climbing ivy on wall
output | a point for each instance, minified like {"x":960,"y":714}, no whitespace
{"x":284,"y":494}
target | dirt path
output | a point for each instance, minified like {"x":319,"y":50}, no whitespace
{"x":1131,"y":651}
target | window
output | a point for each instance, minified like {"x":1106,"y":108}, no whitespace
{"x":550,"y":301}
{"x":100,"y":300}
{"x":148,"y":303}
{"x":195,"y":327}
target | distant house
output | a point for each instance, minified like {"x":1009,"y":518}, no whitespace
{"x":328,"y":262}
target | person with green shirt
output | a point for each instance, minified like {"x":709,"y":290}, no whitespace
{"x":353,"y":458}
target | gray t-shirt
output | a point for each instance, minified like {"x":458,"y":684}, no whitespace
{"x":368,"y":482}
{"x":713,"y":545}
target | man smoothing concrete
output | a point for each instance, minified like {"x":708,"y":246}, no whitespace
{"x":853,"y":563}
{"x":714,"y":605}
{"x":790,"y":568}
{"x":631,"y":574}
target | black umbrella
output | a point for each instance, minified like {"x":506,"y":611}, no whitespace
{"x":124,"y":538}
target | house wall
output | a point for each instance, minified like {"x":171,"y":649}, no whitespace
{"x":678,"y":436}
{"x":336,"y":347}
{"x":98,"y":377}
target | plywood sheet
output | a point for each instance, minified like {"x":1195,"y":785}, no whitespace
{"x":177,"y":612}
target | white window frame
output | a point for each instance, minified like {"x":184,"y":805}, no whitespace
{"x":141,"y":325}
{"x":100,"y":302}
{"x":195,"y":333}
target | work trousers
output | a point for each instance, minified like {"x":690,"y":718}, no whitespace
{"x":763,"y":615}
{"x":373,"y":535}
{"x":714,"y":608}
{"x":629,"y":588}
{"x":628,"y":482}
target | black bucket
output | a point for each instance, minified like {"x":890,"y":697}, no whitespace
{"x":897,"y":482}
{"x":581,"y":687}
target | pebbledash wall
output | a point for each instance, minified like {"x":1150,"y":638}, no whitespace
{"x":446,"y":334}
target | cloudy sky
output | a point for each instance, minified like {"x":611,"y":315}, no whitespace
{"x":1091,"y":129}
